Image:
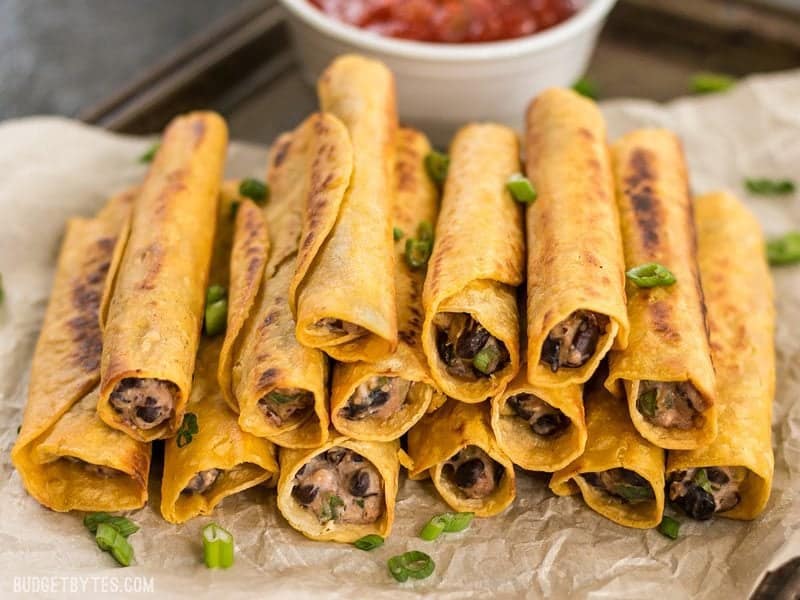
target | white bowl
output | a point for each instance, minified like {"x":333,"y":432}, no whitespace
{"x":442,"y":86}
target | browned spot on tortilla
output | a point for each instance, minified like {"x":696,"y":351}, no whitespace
{"x":661,"y":313}
{"x":270,"y":318}
{"x":282,"y":151}
{"x":139,"y":464}
{"x":153,"y":259}
{"x":586,"y":133}
{"x":199,"y":131}
{"x":592,"y":260}
{"x":645,"y":203}
{"x":268,"y":378}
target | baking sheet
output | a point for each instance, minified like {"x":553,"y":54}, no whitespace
{"x":542,"y":546}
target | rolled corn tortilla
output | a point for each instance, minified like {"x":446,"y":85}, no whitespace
{"x":276,"y":384}
{"x":539,"y":428}
{"x":732,"y":476}
{"x":220,"y":459}
{"x":381,"y":400}
{"x":666,"y":372}
{"x":156,"y":310}
{"x":471,"y":330}
{"x":343,"y":291}
{"x":455,"y":446}
{"x":576,"y":269}
{"x":340,"y":491}
{"x":67,"y":457}
{"x":620,"y":475}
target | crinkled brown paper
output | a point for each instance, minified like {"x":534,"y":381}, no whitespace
{"x":542,"y":546}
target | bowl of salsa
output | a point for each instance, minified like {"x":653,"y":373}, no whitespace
{"x":455,"y":60}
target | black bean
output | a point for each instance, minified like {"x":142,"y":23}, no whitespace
{"x":378,"y":397}
{"x":550,"y":351}
{"x":335,"y":455}
{"x":515,"y":402}
{"x":717,"y":476}
{"x":585,"y":342}
{"x":468,"y":473}
{"x":549,"y":424}
{"x":305,"y":494}
{"x":445,"y":348}
{"x":633,"y":478}
{"x":359,"y":483}
{"x":149,"y":412}
{"x":593,"y":479}
{"x":472,"y":340}
{"x":697,"y":503}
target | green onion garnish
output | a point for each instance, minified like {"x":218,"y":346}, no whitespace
{"x":669,"y":527}
{"x":646,"y":403}
{"x":330,"y":511}
{"x":633,"y":493}
{"x":437,"y":164}
{"x":446,"y":523}
{"x":586,"y":87}
{"x":368,"y":542}
{"x":784,"y":250}
{"x":414,"y":564}
{"x":762,"y":186}
{"x":254,"y":189}
{"x":709,"y":83}
{"x":279,"y":398}
{"x":123,"y":525}
{"x":418,"y":252}
{"x":700,"y":479}
{"x":433,"y":528}
{"x":150,"y":154}
{"x":189,"y":428}
{"x":217,"y":547}
{"x":111,"y":540}
{"x":521,"y":188}
{"x":486,"y":360}
{"x":397,"y":233}
{"x":651,"y":275}
{"x":425,"y":231}
{"x":216,"y":317}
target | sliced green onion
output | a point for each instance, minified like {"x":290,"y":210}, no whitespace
{"x":123,"y":525}
{"x":414,"y":564}
{"x":586,"y":87}
{"x":433,"y":528}
{"x":784,"y":250}
{"x":397,"y":233}
{"x":330,"y":509}
{"x":418,"y":252}
{"x":188,"y":428}
{"x":455,"y":522}
{"x":150,"y":154}
{"x":437,"y":165}
{"x":215,"y":293}
{"x":486,"y":359}
{"x":217,"y":547}
{"x":769,"y":187}
{"x":633,"y":493}
{"x":646,"y":403}
{"x":111,"y":540}
{"x":359,"y":502}
{"x":254,"y":189}
{"x":709,"y":83}
{"x":425,"y":231}
{"x":368,"y":542}
{"x":669,"y":527}
{"x":521,"y":188}
{"x":279,"y":398}
{"x":701,"y":480}
{"x":651,"y":275}
{"x":216,"y":317}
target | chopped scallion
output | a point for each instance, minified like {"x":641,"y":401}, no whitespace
{"x":521,"y":188}
{"x":217,"y":547}
{"x":709,"y":83}
{"x":188,"y":429}
{"x":587,"y":88}
{"x":669,"y":527}
{"x":769,"y":187}
{"x":215,"y":293}
{"x":414,"y":564}
{"x":216,"y":317}
{"x":397,"y":233}
{"x":255,"y":189}
{"x":150,"y":154}
{"x":486,"y":359}
{"x":437,"y":165}
{"x":112,"y":541}
{"x":784,"y":250}
{"x":646,"y":403}
{"x":651,"y":275}
{"x":123,"y":525}
{"x":368,"y":542}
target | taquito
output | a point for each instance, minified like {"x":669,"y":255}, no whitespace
{"x":152,"y":332}
{"x":381,"y":400}
{"x":539,"y":428}
{"x":576,"y":269}
{"x":277,"y":385}
{"x":733,"y":475}
{"x":471,"y":330}
{"x":67,"y":457}
{"x":666,"y":372}
{"x":620,"y":475}
{"x":343,"y":292}
{"x":219,"y":459}
{"x":340,"y":491}
{"x":455,"y":446}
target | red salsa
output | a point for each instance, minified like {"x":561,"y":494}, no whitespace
{"x":450,"y":21}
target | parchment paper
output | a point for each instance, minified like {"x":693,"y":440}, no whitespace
{"x":542,"y":546}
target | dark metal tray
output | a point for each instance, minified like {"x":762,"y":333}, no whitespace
{"x":244,"y":68}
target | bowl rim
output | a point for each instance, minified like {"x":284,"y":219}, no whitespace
{"x":590,"y":14}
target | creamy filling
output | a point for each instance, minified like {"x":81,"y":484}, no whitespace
{"x":144,"y":403}
{"x":202,"y":481}
{"x":671,"y":404}
{"x":340,"y":486}
{"x":704,"y":491}
{"x":378,"y":397}
{"x":573,"y":341}
{"x":623,"y":484}
{"x":467,"y":348}
{"x":473,"y":472}
{"x":544,"y":419}
{"x":93,"y":469}
{"x":285,"y":406}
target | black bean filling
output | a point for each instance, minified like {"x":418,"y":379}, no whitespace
{"x":705,"y":491}
{"x":474,"y":472}
{"x":468,"y":350}
{"x":573,"y":341}
{"x":671,"y":404}
{"x":202,"y":481}
{"x":623,"y":484}
{"x":285,"y":406}
{"x":144,"y":403}
{"x":545,"y":420}
{"x":379,"y":397}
